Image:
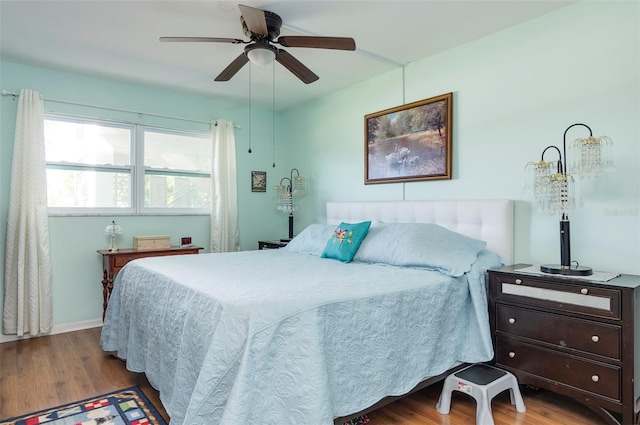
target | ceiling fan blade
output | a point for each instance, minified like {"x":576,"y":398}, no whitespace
{"x":233,"y":68}
{"x":296,"y":67}
{"x":336,"y":43}
{"x":255,"y":19}
{"x":203,"y":40}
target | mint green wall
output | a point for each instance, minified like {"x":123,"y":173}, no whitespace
{"x":515,"y":92}
{"x":76,"y":267}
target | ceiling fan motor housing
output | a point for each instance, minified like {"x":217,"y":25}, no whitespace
{"x":274,"y":23}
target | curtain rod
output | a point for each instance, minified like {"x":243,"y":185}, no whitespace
{"x":8,"y":93}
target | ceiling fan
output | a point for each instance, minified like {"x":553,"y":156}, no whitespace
{"x":263,"y":29}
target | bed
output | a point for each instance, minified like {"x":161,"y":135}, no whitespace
{"x":287,"y":336}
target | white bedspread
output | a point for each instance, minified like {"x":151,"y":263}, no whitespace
{"x":276,"y":337}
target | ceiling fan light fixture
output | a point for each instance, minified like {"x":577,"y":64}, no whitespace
{"x":261,"y":53}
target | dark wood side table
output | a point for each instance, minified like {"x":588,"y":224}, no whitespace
{"x":112,"y":262}
{"x":576,"y":337}
{"x":271,"y":244}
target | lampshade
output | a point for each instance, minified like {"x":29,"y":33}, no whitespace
{"x":592,"y":156}
{"x":299,"y":185}
{"x":561,"y":194}
{"x":556,"y":192}
{"x":537,"y":174}
{"x":284,"y":199}
{"x":113,"y":229}
{"x":261,"y":55}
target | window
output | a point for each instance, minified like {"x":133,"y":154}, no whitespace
{"x":176,"y":169}
{"x":98,"y":167}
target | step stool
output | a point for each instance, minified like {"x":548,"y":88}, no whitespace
{"x":482,"y":382}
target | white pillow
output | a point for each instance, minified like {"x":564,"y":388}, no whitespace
{"x":423,"y":245}
{"x":312,"y":239}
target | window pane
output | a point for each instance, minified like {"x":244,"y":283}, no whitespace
{"x":177,"y":151}
{"x":86,"y":143}
{"x":166,"y":191}
{"x":88,"y":189}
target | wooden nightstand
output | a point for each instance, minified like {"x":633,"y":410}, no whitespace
{"x":576,"y":337}
{"x":112,"y":262}
{"x":271,"y":244}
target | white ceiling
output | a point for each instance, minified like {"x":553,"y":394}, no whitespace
{"x":119,"y":40}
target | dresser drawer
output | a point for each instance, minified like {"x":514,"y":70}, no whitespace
{"x":584,"y":335}
{"x":572,"y":371}
{"x":566,"y":297}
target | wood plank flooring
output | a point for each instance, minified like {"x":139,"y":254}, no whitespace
{"x":48,"y":371}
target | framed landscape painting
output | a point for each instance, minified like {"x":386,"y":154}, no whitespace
{"x":410,"y":142}
{"x":258,"y":181}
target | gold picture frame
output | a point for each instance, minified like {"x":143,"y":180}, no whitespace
{"x":410,"y":142}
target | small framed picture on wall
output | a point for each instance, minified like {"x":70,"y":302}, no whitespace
{"x":258,"y":181}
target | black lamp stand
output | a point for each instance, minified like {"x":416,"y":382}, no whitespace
{"x":565,"y":255}
{"x":290,"y":226}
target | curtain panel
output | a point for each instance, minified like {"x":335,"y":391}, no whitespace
{"x":27,"y":277}
{"x":224,"y":203}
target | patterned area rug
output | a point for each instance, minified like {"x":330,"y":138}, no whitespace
{"x":360,"y":420}
{"x":124,"y":407}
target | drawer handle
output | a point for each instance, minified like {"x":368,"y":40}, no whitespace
{"x":512,"y":320}
{"x":595,"y":378}
{"x":584,"y":291}
{"x":595,"y":338}
{"x":518,"y":281}
{"x":512,"y":354}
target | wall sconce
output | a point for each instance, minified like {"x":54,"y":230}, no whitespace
{"x":289,"y":188}
{"x":112,"y":230}
{"x":558,"y":192}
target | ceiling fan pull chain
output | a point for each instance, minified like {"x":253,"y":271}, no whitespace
{"x":249,"y":108}
{"x":273,"y":112}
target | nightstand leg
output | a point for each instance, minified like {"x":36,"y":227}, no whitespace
{"x":107,"y":288}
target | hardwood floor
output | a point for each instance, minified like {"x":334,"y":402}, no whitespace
{"x":48,"y":371}
{"x":44,"y":372}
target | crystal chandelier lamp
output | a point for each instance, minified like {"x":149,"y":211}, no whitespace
{"x":289,"y":188}
{"x":558,"y":191}
{"x":112,"y":230}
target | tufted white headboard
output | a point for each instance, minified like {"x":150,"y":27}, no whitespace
{"x":488,"y":220}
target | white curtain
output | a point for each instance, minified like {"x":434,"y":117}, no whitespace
{"x":27,"y":275}
{"x":224,"y":203}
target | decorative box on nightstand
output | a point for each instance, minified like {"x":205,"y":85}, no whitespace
{"x":573,"y":336}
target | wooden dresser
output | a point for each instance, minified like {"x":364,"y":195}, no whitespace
{"x":112,"y":262}
{"x":576,"y":337}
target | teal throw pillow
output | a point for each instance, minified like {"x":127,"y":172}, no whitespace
{"x":345,"y":241}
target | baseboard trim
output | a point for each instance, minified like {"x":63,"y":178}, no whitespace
{"x":57,"y":329}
